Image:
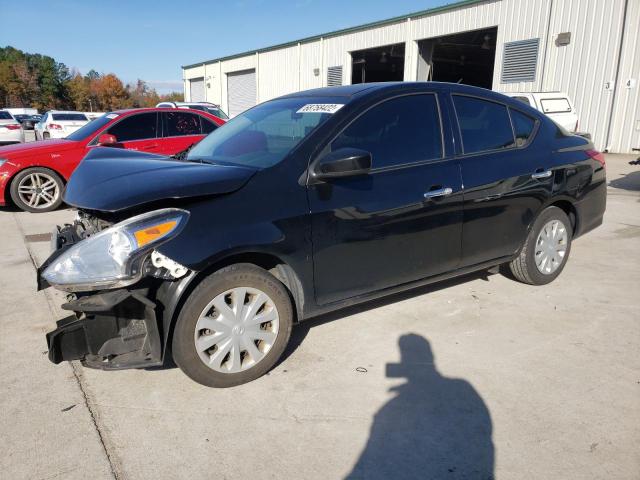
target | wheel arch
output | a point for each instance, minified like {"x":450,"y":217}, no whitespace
{"x":7,"y":189}
{"x":567,"y":206}
{"x":173,"y":295}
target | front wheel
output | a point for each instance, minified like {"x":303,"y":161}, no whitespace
{"x":37,"y":190}
{"x":546,"y":249}
{"x":233,"y":327}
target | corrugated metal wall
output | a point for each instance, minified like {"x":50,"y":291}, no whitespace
{"x":625,"y":125}
{"x":589,"y":62}
{"x":581,"y":68}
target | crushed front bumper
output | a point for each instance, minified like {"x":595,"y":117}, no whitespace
{"x":109,"y":330}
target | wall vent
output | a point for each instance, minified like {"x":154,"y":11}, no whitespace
{"x":334,"y":76}
{"x":520,"y":61}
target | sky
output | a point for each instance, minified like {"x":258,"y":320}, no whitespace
{"x":151,"y":40}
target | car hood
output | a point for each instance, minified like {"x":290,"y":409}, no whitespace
{"x":46,"y":146}
{"x":111,"y":179}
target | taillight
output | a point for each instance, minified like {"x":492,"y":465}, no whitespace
{"x":13,"y":126}
{"x":597,"y":156}
{"x":55,"y":126}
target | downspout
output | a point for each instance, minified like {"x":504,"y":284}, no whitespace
{"x":546,"y":47}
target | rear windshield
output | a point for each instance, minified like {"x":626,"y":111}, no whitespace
{"x":262,"y":136}
{"x":92,"y":127}
{"x":5,"y":116}
{"x":555,"y":105}
{"x":217,"y":112}
{"x":78,"y":117}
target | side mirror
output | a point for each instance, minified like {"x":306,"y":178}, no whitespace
{"x":106,"y":140}
{"x":344,"y":162}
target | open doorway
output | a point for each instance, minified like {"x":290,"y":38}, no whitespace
{"x":466,"y":57}
{"x":382,"y":64}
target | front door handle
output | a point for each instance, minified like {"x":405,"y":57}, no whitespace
{"x":537,"y":175}
{"x":441,"y":192}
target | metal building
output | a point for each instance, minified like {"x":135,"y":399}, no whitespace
{"x":587,"y":48}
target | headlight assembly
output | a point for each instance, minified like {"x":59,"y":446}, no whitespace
{"x":113,"y":258}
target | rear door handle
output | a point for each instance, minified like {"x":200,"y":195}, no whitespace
{"x":441,"y":192}
{"x":537,"y":175}
{"x":149,"y":147}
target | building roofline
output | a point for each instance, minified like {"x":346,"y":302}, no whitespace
{"x":335,"y":33}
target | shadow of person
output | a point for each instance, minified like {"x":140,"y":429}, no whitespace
{"x":434,"y":428}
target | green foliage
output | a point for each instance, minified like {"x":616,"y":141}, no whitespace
{"x":38,"y":81}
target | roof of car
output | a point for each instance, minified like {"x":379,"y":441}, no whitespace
{"x":128,"y":111}
{"x":65,"y":111}
{"x":367,"y":88}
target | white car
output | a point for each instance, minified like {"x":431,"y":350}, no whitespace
{"x":208,"y":107}
{"x":10,"y":129}
{"x":555,"y":105}
{"x":59,"y":124}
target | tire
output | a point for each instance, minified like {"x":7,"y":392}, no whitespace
{"x":203,"y":314}
{"x":529,"y":266}
{"x":42,"y":183}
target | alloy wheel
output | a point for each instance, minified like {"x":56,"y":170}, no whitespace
{"x":38,"y":190}
{"x":236,"y":330}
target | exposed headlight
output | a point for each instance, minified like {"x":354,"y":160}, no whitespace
{"x":113,"y":258}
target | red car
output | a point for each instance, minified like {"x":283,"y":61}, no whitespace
{"x":33,"y":175}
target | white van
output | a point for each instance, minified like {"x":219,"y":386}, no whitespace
{"x":556,"y":105}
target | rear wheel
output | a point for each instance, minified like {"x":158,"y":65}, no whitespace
{"x":37,"y":190}
{"x":234,"y":327}
{"x":546,"y":249}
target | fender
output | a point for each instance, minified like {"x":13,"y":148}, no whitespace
{"x":171,"y":295}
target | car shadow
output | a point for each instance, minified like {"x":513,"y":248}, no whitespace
{"x":434,"y":427}
{"x":301,"y":329}
{"x":629,"y":181}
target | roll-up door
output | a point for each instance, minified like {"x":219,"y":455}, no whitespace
{"x":196,"y":90}
{"x":241,"y":91}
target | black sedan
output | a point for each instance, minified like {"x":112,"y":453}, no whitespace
{"x":27,"y":121}
{"x":306,"y":204}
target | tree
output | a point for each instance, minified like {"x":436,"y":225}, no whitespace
{"x":34,"y":80}
{"x":110,"y":92}
{"x":80,"y":92}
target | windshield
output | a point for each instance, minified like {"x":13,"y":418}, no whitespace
{"x":217,"y":112}
{"x":263,"y":136}
{"x":69,"y":117}
{"x":91,"y":127}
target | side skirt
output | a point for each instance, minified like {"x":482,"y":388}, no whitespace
{"x":330,"y":307}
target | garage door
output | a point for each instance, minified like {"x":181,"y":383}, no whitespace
{"x":196,"y":90}
{"x":241,"y":91}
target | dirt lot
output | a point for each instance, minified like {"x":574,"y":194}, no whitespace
{"x":480,"y":374}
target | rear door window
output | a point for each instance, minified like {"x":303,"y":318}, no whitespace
{"x":207,"y":125}
{"x":523,"y":126}
{"x":180,"y":123}
{"x":399,"y":131}
{"x":136,"y":127}
{"x":484,"y":125}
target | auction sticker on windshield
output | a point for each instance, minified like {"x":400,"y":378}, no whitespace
{"x":321,"y":108}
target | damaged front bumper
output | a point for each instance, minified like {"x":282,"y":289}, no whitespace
{"x":109,"y":330}
{"x":120,"y":328}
